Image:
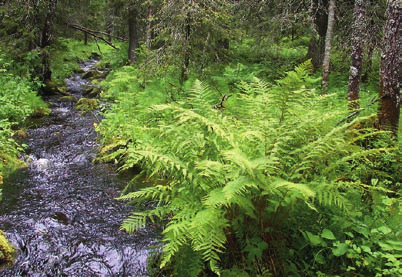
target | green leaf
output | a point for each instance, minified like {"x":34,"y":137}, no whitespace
{"x":327,"y":234}
{"x":340,"y":249}
{"x":314,"y":239}
{"x":385,"y":230}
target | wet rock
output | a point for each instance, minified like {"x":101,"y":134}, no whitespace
{"x":91,"y":74}
{"x":61,"y":217}
{"x":70,"y":98}
{"x":92,"y":92}
{"x":85,"y":104}
{"x":42,"y":164}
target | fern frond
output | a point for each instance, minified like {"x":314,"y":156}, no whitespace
{"x":239,"y":186}
{"x":303,"y":189}
{"x":208,"y":236}
{"x":305,"y":69}
{"x":134,"y":222}
{"x":329,"y":195}
{"x":200,"y":97}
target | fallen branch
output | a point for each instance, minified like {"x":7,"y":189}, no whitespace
{"x":92,"y":33}
{"x":356,"y":112}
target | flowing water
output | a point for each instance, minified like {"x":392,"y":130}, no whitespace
{"x":60,"y":212}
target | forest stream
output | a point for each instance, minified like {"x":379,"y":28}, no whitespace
{"x":60,"y":212}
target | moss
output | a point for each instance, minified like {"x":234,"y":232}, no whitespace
{"x":21,"y":134}
{"x":68,"y":99}
{"x":41,"y":111}
{"x":91,"y":74}
{"x":50,"y":88}
{"x":85,"y":104}
{"x":7,"y":251}
{"x":92,"y":92}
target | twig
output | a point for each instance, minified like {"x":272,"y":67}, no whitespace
{"x":356,"y":112}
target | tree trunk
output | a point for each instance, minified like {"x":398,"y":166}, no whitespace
{"x":149,"y":18}
{"x":110,"y":26}
{"x":328,"y":38}
{"x":389,"y":91}
{"x":356,"y":63}
{"x":316,"y":47}
{"x":186,"y":63}
{"x":45,"y":73}
{"x":132,"y":34}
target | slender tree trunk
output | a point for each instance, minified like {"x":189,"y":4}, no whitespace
{"x":328,"y":39}
{"x":149,"y":18}
{"x":133,"y":35}
{"x":356,"y":63}
{"x":390,"y":72}
{"x":186,"y":63}
{"x":45,"y":42}
{"x":110,"y":26}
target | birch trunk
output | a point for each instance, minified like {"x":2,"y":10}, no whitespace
{"x":328,"y":39}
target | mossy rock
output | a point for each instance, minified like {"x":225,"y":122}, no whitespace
{"x":50,"y":88}
{"x":85,"y":104}
{"x":91,"y":74}
{"x":92,"y":92}
{"x":7,"y":250}
{"x":41,"y":112}
{"x":21,"y":134}
{"x":78,"y":70}
{"x":69,"y":98}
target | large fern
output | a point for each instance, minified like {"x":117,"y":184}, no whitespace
{"x":233,"y":177}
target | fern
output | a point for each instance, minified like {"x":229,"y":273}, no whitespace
{"x":240,"y":176}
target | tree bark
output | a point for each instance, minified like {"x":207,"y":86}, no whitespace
{"x":316,"y":47}
{"x":132,"y":34}
{"x":186,"y":62}
{"x":356,"y":59}
{"x":45,"y":42}
{"x":328,"y":39}
{"x":149,"y":18}
{"x":390,"y":71}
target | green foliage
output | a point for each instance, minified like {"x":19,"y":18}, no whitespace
{"x":18,"y":101}
{"x":238,"y":185}
{"x":67,"y":53}
{"x":368,"y":244}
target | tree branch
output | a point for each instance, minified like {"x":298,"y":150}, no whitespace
{"x":356,"y":112}
{"x":92,"y":33}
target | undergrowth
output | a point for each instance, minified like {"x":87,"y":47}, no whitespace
{"x":66,"y":55}
{"x":266,"y":185}
{"x":18,"y":101}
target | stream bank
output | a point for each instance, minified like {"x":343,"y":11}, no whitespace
{"x":60,"y":212}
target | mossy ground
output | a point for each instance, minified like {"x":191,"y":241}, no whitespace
{"x":7,"y":250}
